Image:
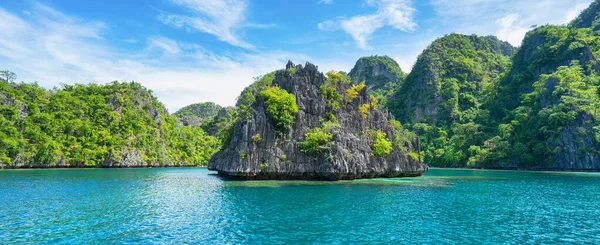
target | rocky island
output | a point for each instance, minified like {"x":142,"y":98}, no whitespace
{"x":305,"y":125}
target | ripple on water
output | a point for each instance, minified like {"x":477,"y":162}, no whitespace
{"x":157,"y":206}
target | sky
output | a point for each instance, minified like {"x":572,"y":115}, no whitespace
{"x":190,"y":51}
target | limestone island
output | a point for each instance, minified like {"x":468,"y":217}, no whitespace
{"x":304,"y":124}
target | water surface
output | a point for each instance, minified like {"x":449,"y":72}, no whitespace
{"x":193,"y":205}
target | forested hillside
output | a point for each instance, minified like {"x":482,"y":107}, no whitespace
{"x":381,"y":74}
{"x":118,"y":124}
{"x":477,"y":102}
{"x":443,"y":97}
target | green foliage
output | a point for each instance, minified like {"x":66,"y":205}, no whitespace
{"x":556,"y":101}
{"x":588,"y":17}
{"x":248,"y":95}
{"x":381,"y":74}
{"x":363,"y":71}
{"x":291,"y":70}
{"x":380,"y":145}
{"x":202,"y":111}
{"x":281,"y":105}
{"x":329,"y":89}
{"x":84,"y":125}
{"x":8,"y":76}
{"x":444,"y":97}
{"x":256,"y":137}
{"x":243,"y":154}
{"x":318,"y":139}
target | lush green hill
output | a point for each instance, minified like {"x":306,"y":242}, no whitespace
{"x":118,"y":124}
{"x":381,"y":74}
{"x":546,"y":104}
{"x":442,"y":98}
{"x":196,"y":114}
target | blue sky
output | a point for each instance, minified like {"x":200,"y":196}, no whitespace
{"x":190,"y":51}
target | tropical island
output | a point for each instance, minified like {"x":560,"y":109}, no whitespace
{"x":469,"y":101}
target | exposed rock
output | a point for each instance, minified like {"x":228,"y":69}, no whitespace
{"x":576,"y":148}
{"x":279,"y":155}
{"x":22,"y":107}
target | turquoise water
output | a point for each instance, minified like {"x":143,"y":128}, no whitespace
{"x":193,"y":205}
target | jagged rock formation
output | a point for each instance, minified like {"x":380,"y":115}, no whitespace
{"x":376,"y":71}
{"x":259,"y":150}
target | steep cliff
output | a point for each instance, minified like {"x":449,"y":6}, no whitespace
{"x":450,"y":76}
{"x":547,"y":103}
{"x":381,"y":74}
{"x":303,"y":125}
{"x":443,"y":97}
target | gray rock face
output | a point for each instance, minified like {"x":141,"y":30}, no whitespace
{"x":22,"y":107}
{"x":279,"y":155}
{"x":576,"y":146}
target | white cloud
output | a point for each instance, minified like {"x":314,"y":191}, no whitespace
{"x":168,"y":45}
{"x":216,"y":17}
{"x":325,"y":2}
{"x":509,"y":19}
{"x":395,"y":13}
{"x":53,"y":48}
{"x":327,"y":25}
{"x":511,"y":29}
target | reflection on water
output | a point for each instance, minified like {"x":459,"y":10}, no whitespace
{"x":193,"y":205}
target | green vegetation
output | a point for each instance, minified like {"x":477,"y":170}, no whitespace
{"x":329,"y":89}
{"x":85,"y":125}
{"x":203,"y":111}
{"x":443,"y":99}
{"x":381,"y":74}
{"x":281,"y":105}
{"x":472,"y":103}
{"x":380,"y":145}
{"x":588,"y":17}
{"x":320,"y":138}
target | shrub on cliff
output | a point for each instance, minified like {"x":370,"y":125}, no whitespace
{"x":281,"y":105}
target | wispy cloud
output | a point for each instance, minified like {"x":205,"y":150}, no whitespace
{"x":325,"y":2}
{"x":42,"y":48}
{"x":510,"y":19}
{"x":220,"y":18}
{"x":397,"y":14}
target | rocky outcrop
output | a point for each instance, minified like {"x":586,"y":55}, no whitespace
{"x":376,"y":71}
{"x":257,"y":150}
{"x":576,"y":148}
{"x":196,"y":114}
{"x":21,"y":107}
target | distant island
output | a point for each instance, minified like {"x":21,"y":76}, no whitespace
{"x":469,"y":101}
